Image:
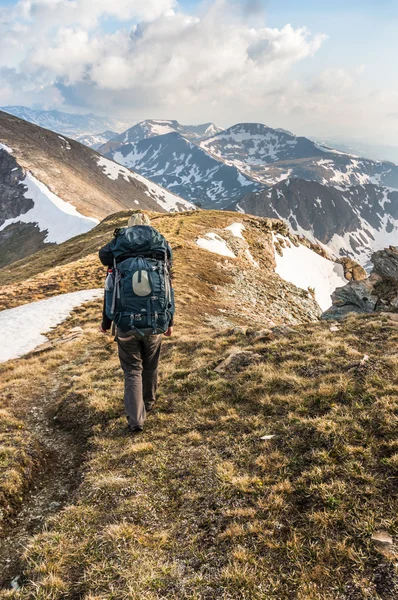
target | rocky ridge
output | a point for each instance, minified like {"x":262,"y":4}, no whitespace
{"x":157,"y":127}
{"x":350,"y":221}
{"x":180,"y":165}
{"x":376,"y":293}
{"x":347,"y":203}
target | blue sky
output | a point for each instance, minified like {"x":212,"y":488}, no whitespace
{"x":229,"y":65}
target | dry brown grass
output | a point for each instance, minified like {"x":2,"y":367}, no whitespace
{"x":198,"y":506}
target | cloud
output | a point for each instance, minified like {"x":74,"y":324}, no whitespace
{"x":166,"y":58}
{"x":88,"y":12}
{"x":222,"y":64}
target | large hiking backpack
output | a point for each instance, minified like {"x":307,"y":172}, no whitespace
{"x":138,"y":291}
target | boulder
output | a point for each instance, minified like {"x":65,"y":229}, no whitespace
{"x":385,"y":262}
{"x":335,"y":313}
{"x":352,"y":270}
{"x":377,"y":293}
{"x":237,"y":361}
{"x":356,"y":293}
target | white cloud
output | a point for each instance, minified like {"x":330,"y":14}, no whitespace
{"x":87,"y":12}
{"x":169,"y":55}
{"x":222,"y":65}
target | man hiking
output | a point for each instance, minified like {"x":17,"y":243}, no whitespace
{"x":139,"y":300}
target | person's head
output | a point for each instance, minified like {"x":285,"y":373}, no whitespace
{"x":138,"y":218}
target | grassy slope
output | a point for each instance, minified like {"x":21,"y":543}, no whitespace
{"x":199,"y":506}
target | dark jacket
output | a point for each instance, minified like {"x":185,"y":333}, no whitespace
{"x":106,"y":257}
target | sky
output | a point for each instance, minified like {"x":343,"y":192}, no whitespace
{"x":315,"y":67}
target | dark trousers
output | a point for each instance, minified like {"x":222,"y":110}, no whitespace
{"x":139,"y":359}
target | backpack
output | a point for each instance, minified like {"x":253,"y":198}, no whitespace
{"x":138,"y":291}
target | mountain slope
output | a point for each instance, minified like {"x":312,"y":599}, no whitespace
{"x":267,"y":469}
{"x":271,"y":155}
{"x":53,"y":188}
{"x":154,"y":127}
{"x":184,"y":168}
{"x":352,"y":221}
{"x":71,"y":125}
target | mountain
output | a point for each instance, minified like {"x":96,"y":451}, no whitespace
{"x":262,"y":154}
{"x":69,"y":124}
{"x":351,"y":221}
{"x":53,"y":188}
{"x":267,"y":469}
{"x":271,"y":155}
{"x":185,"y":168}
{"x":95,"y":141}
{"x":155,"y":127}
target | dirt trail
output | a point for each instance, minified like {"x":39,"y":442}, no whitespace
{"x":52,"y":489}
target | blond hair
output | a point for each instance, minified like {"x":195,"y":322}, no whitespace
{"x":138,"y":218}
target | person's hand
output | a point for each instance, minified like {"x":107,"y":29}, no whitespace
{"x":169,"y":332}
{"x":102,"y":330}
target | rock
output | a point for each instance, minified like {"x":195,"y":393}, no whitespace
{"x":352,"y":270}
{"x":267,"y":437}
{"x":335,"y":313}
{"x":392,"y":316}
{"x":262,"y":334}
{"x":382,"y":538}
{"x":43,"y":348}
{"x":357,"y":293}
{"x":239,"y":330}
{"x":377,"y":293}
{"x":15,"y":585}
{"x":237,"y":361}
{"x":281,"y":331}
{"x":385,"y":262}
{"x":70,"y":337}
{"x":364,"y":360}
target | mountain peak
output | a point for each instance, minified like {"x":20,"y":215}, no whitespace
{"x":70,"y":124}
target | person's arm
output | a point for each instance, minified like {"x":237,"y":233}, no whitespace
{"x":106,"y":255}
{"x":106,"y":323}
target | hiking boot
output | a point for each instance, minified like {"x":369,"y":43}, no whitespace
{"x":149,"y":407}
{"x":136,"y":430}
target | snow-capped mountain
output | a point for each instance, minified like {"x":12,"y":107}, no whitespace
{"x":271,"y":155}
{"x":53,"y":188}
{"x":344,"y":202}
{"x":154,"y":127}
{"x":186,"y":169}
{"x":71,"y":125}
{"x":97,"y":140}
{"x":352,"y":221}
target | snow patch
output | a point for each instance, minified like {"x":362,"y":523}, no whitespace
{"x":66,"y":144}
{"x":305,"y":268}
{"x":60,"y":219}
{"x":236,"y":229}
{"x":33,"y":320}
{"x":167,"y":200}
{"x":214,"y":243}
{"x":6,"y":148}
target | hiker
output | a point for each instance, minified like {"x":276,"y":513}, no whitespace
{"x":139,"y":300}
